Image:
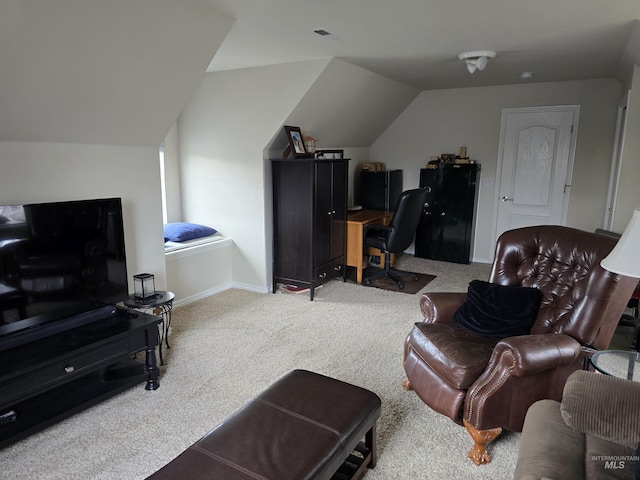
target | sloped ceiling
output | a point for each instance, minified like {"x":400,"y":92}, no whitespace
{"x":631,"y":55}
{"x":350,"y":106}
{"x":114,"y":72}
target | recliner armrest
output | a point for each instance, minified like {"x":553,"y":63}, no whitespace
{"x":536,"y":353}
{"x":439,"y":307}
{"x":604,"y":406}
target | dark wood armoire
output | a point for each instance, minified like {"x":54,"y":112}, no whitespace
{"x":309,"y":221}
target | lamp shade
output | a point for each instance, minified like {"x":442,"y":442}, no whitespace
{"x":624,"y":259}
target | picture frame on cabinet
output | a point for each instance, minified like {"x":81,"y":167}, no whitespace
{"x":296,"y":143}
{"x":330,"y":154}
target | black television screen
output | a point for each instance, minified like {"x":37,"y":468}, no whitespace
{"x":59,"y":260}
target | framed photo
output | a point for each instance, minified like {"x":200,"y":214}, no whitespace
{"x":296,"y":143}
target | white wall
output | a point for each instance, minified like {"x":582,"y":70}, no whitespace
{"x":198,"y":272}
{"x":223,"y":133}
{"x":172,"y":175}
{"x":441,"y":121}
{"x":629,"y":187}
{"x":42,"y":172}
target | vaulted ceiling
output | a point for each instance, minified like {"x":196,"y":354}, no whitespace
{"x":418,"y":41}
{"x":120,"y":71}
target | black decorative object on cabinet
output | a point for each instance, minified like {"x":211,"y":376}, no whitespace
{"x":446,"y":228}
{"x":309,"y":221}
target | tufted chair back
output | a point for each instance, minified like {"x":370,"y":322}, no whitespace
{"x":579,"y":297}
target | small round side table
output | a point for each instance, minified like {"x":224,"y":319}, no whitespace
{"x":618,"y":363}
{"x":161,"y":304}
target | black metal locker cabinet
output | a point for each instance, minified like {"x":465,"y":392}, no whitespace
{"x":380,"y":190}
{"x":447,"y":225}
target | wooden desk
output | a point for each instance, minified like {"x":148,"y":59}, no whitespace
{"x":356,"y":223}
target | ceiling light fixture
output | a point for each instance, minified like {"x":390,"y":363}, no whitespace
{"x":526,"y":75}
{"x":477,"y":60}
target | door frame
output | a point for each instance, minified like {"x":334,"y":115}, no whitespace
{"x":572,"y":151}
{"x":616,"y":163}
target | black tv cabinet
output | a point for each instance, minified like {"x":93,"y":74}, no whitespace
{"x":45,"y":380}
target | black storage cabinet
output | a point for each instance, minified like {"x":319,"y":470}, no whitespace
{"x":309,"y":221}
{"x":446,"y":228}
{"x":380,"y":190}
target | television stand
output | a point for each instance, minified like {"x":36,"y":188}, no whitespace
{"x":52,"y":378}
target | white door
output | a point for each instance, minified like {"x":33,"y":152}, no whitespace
{"x":535,"y":163}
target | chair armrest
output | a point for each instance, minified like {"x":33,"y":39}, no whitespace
{"x":603,"y":406}
{"x":536,"y":353}
{"x":439,"y":307}
{"x":376,"y":226}
{"x":522,"y":367}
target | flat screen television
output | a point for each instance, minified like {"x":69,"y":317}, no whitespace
{"x":59,"y":261}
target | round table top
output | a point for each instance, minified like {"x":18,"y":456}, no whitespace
{"x":160,"y":298}
{"x":618,"y":363}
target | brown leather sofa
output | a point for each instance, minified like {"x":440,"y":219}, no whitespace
{"x":593,"y":433}
{"x":488,"y":383}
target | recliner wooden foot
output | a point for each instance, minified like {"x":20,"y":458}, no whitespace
{"x":478,"y":454}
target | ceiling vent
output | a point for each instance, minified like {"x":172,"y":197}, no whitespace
{"x":324,"y":33}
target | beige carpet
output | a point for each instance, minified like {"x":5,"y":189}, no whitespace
{"x":229,"y":347}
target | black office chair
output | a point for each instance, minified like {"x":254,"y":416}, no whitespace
{"x":397,"y":236}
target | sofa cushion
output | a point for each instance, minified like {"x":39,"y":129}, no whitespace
{"x":498,"y":311}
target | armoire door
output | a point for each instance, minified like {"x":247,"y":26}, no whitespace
{"x":323,"y":213}
{"x":331,"y":215}
{"x":339,"y":210}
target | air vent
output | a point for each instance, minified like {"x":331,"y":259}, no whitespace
{"x":324,"y":33}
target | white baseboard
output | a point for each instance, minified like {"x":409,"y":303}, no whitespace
{"x":179,"y":302}
{"x":207,"y":293}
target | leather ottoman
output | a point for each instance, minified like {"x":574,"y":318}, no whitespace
{"x":304,"y":426}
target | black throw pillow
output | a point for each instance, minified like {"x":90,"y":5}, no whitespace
{"x":498,"y":311}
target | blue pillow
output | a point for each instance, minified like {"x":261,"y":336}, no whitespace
{"x":182,"y":231}
{"x":498,"y":311}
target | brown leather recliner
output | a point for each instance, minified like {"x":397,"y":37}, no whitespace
{"x":488,"y":384}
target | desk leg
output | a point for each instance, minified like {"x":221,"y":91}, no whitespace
{"x":359,"y":270}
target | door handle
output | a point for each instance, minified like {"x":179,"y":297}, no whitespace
{"x":506,"y":199}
